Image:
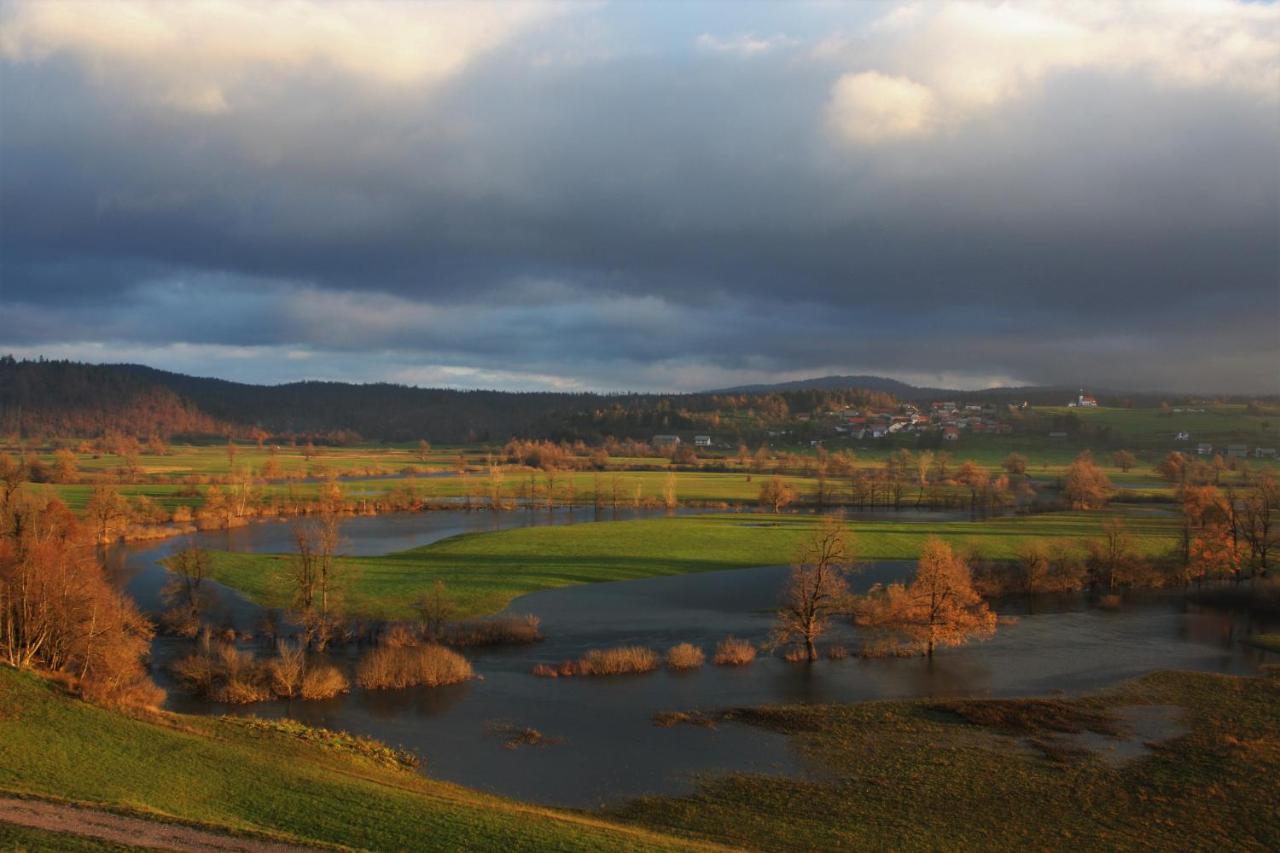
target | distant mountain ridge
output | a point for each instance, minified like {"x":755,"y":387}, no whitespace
{"x":64,"y":398}
{"x":899,"y":389}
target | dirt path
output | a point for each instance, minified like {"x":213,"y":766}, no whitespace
{"x":131,"y":831}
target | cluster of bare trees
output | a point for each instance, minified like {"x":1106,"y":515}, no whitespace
{"x":58,"y":611}
{"x":919,"y":480}
{"x":318,"y":579}
{"x":1230,"y":532}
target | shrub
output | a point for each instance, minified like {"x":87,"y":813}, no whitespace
{"x":837,"y":652}
{"x":397,"y":667}
{"x":734,"y":652}
{"x":323,"y":681}
{"x":546,"y":670}
{"x":796,"y":654}
{"x":501,"y":630}
{"x":239,"y":690}
{"x":685,"y":656}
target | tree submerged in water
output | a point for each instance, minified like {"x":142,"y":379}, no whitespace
{"x":817,"y":589}
{"x":939,"y":608}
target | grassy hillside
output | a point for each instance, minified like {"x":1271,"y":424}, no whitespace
{"x":1008,"y":775}
{"x":484,"y":571}
{"x":240,"y":776}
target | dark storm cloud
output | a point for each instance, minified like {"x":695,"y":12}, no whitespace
{"x":665,"y":214}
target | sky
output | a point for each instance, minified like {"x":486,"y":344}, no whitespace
{"x":646,"y":196}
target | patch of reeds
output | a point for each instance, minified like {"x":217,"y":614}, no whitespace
{"x":498,"y":631}
{"x":396,"y":667}
{"x":836,"y":651}
{"x":222,"y":673}
{"x":323,"y":681}
{"x":732,"y":651}
{"x":685,"y":656}
{"x":622,"y":660}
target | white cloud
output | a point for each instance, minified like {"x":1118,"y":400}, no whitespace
{"x":974,"y":56}
{"x":189,"y":54}
{"x":871,"y":107}
{"x":743,"y":44}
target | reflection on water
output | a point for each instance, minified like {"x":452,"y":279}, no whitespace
{"x":611,"y":751}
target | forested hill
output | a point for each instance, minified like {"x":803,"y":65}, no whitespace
{"x":62,"y":398}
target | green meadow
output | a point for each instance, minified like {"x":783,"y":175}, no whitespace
{"x":485,"y":571}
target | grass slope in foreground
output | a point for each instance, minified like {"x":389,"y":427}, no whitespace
{"x":485,"y":571}
{"x":920,"y":776}
{"x":233,"y":776}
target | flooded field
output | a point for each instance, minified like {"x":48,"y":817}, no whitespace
{"x":600,"y":744}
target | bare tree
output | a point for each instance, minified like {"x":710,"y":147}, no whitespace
{"x":317,"y":576}
{"x":1259,"y":521}
{"x":107,"y":511}
{"x":1086,"y":485}
{"x":817,"y":588}
{"x":776,"y":493}
{"x":1124,"y":460}
{"x":186,"y":592}
{"x":435,"y":608}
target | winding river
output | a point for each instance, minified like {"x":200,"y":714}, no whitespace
{"x":604,"y":746}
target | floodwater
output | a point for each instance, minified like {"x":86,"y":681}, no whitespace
{"x":605,"y":748}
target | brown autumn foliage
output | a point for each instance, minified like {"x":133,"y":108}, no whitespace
{"x":817,"y":588}
{"x":59,"y":613}
{"x":685,"y":656}
{"x":938,"y":608}
{"x":732,"y":651}
{"x":776,"y":494}
{"x":1086,"y":486}
{"x":494,"y":631}
{"x":1042,"y":566}
{"x":392,"y":668}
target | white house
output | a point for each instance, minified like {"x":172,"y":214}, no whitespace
{"x":702,"y":441}
{"x":1084,"y":401}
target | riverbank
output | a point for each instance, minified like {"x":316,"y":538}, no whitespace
{"x":270,"y":781}
{"x":1173,"y":760}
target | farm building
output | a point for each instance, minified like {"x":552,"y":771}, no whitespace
{"x":1238,"y":451}
{"x":1264,"y":452}
{"x":702,"y":441}
{"x":1204,"y":448}
{"x":665,"y":440}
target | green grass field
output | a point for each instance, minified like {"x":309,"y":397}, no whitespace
{"x":914,"y":776}
{"x":485,"y":571}
{"x":231,"y":776}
